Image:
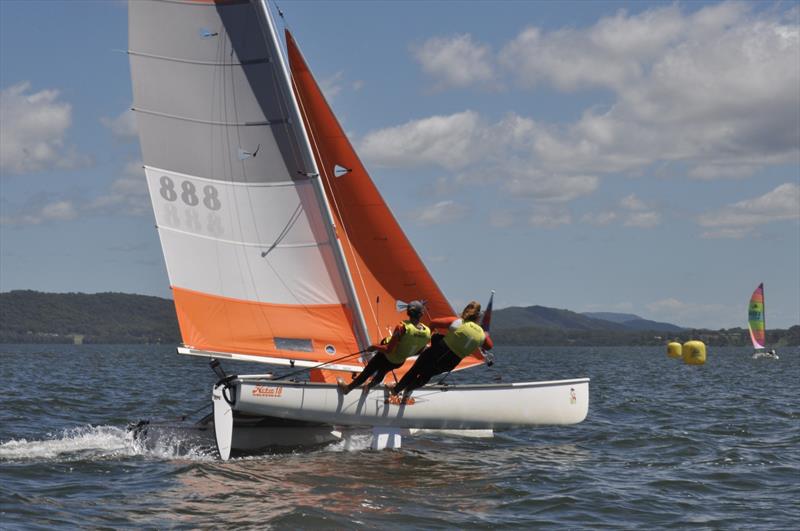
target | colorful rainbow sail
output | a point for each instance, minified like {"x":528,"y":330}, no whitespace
{"x":757,"y":318}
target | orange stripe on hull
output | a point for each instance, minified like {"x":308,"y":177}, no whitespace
{"x":221,"y":324}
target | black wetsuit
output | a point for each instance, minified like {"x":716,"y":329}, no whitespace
{"x":436,"y":359}
{"x":379,"y":366}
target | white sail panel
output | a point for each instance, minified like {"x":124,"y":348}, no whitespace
{"x":264,"y":215}
{"x":292,"y":275}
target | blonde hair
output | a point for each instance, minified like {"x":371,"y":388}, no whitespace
{"x":471,"y":311}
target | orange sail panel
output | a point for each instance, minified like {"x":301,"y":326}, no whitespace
{"x":384,"y":265}
{"x":220,"y":324}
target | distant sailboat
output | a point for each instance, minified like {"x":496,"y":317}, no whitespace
{"x":757,"y":322}
{"x":278,"y":245}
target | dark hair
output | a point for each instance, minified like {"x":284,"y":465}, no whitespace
{"x":472,"y":311}
{"x":415,"y":309}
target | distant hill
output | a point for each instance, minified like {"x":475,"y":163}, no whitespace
{"x":612,"y":316}
{"x":543,"y":317}
{"x":634,"y":322}
{"x":35,"y":317}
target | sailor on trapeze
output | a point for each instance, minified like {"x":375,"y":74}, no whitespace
{"x":463,"y":336}
{"x":409,"y":338}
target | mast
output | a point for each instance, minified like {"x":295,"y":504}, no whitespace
{"x":362,"y":332}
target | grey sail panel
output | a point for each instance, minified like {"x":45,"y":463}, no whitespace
{"x":202,"y":74}
{"x":212,"y":151}
{"x":219,"y":92}
{"x":176,"y":29}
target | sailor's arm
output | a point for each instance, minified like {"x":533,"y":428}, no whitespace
{"x":396,"y":335}
{"x":442,"y":323}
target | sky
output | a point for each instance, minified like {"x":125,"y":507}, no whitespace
{"x":635,"y":157}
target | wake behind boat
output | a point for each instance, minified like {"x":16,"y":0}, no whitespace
{"x":278,"y":245}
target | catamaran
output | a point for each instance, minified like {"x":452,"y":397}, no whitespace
{"x":279,"y":247}
{"x":757,"y":323}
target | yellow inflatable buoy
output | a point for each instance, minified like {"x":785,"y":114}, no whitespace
{"x":674,"y":350}
{"x":694,"y":353}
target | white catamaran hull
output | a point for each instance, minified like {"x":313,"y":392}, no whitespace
{"x":493,"y":406}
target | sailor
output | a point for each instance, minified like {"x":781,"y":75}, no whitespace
{"x":464,"y":335}
{"x":408,"y":338}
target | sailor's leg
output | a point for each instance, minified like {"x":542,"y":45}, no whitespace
{"x":382,"y":372}
{"x":426,"y":358}
{"x":372,"y":367}
{"x":407,"y":378}
{"x":428,"y":367}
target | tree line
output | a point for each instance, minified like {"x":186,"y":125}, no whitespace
{"x":35,"y":317}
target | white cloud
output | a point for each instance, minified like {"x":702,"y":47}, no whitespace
{"x":480,"y":151}
{"x":451,"y":142}
{"x":455,"y":61}
{"x":717,"y":90}
{"x":632,"y":212}
{"x":643,"y":220}
{"x":740,"y":219}
{"x":127,"y":195}
{"x":631,"y":202}
{"x":331,"y":86}
{"x":123,"y":126}
{"x":549,"y":217}
{"x":599,"y":219}
{"x":440,"y":213}
{"x":41,"y":209}
{"x":552,"y":188}
{"x":32,"y":131}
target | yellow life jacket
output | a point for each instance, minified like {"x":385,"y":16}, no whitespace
{"x":410,"y":343}
{"x":464,"y":338}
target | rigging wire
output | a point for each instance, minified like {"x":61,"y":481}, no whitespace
{"x":283,"y":376}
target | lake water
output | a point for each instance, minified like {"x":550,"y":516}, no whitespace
{"x":664,"y":445}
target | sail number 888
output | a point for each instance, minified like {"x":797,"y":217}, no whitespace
{"x":188,"y":193}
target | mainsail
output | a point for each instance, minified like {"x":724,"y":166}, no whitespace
{"x":251,"y":256}
{"x":269,"y":252}
{"x":757,"y":318}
